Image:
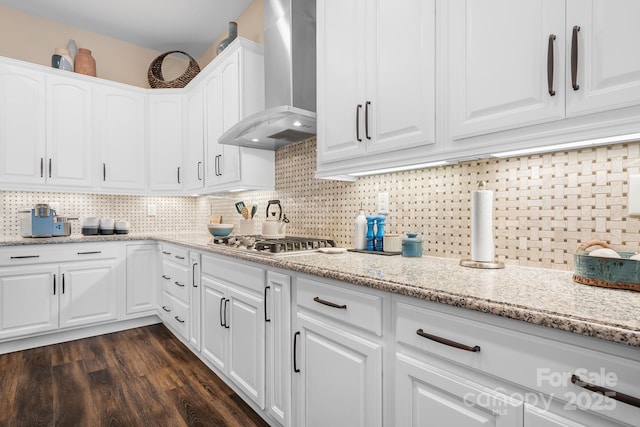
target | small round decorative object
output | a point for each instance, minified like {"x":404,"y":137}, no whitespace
{"x":412,"y":245}
{"x":156,"y":80}
{"x":85,"y":63}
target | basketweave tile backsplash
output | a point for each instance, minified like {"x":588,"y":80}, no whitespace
{"x":544,"y":205}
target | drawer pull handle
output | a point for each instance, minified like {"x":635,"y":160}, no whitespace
{"x":166,"y":277}
{"x":168,"y":310}
{"x":166,"y":253}
{"x":89,"y":253}
{"x":179,"y":257}
{"x":193,"y":275}
{"x":330,"y":304}
{"x":295,"y":352}
{"x":25,"y":256}
{"x":226,"y":324}
{"x":475,"y":348}
{"x":179,"y":319}
{"x":222,"y":300}
{"x":630,"y":400}
{"x":179,"y":284}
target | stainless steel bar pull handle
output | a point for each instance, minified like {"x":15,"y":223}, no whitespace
{"x":226,"y":324}
{"x":295,"y":352}
{"x":104,"y":171}
{"x":178,"y":174}
{"x":221,"y":303}
{"x":193,"y":274}
{"x":330,"y":304}
{"x":49,"y":167}
{"x":266,"y":319}
{"x":199,"y":171}
{"x":550,"y":64}
{"x":358,"y":108}
{"x":41,"y":167}
{"x":475,"y":348}
{"x":574,"y":58}
{"x":366,"y":119}
{"x":630,"y":400}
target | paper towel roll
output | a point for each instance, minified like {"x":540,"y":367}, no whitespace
{"x":482,"y":247}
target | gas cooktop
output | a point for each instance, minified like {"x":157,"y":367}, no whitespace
{"x":288,"y":245}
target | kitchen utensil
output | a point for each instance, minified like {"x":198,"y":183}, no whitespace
{"x":254,"y":209}
{"x":616,"y":273}
{"x":220,"y":230}
{"x":215,"y":219}
{"x":245,"y":212}
{"x":239,"y":207}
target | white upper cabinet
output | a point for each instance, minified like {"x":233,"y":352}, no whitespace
{"x":165,"y":140}
{"x":499,"y":55}
{"x":233,"y":90}
{"x":22,"y":125}
{"x":69,"y":132}
{"x":376,"y":81}
{"x":45,"y":137}
{"x":194,"y":140}
{"x":120,"y":131}
{"x":608,"y":65}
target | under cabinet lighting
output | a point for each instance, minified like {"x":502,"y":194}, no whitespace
{"x":255,"y":140}
{"x":297,"y":123}
{"x":400,"y":168}
{"x":237,"y":190}
{"x":569,"y":145}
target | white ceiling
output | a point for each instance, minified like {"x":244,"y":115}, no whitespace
{"x":162,"y":25}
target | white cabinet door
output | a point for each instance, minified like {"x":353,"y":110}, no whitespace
{"x":88,"y":293}
{"x":376,"y":77}
{"x":195,"y":312}
{"x":69,"y":133}
{"x":120,"y":130}
{"x":22,"y":125}
{"x":428,"y":396}
{"x":222,"y":97}
{"x":28,"y":300}
{"x":497,"y":59}
{"x":402,"y":87}
{"x":214,"y":314}
{"x":339,"y":378}
{"x":165,"y":141}
{"x":245,"y":322}
{"x":194,"y":140}
{"x":278,"y":347}
{"x":341,"y":60}
{"x":608,"y":66}
{"x":142,"y":269}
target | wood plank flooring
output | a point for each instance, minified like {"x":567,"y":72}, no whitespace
{"x":138,"y":377}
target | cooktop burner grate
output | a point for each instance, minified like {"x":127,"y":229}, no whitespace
{"x":289,"y":244}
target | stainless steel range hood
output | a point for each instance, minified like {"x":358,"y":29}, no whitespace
{"x":290,"y":79}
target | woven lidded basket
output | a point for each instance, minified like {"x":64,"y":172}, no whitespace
{"x":156,"y":80}
{"x":615,"y":273}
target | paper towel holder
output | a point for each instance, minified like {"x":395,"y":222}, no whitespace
{"x":481,"y":264}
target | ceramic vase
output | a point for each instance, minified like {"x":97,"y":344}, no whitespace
{"x":85,"y":63}
{"x":73,"y":49}
{"x":233,"y":34}
{"x":61,"y":59}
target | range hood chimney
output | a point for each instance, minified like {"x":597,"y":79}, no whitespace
{"x":290,"y":79}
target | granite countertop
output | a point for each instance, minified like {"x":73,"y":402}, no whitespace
{"x":535,"y":295}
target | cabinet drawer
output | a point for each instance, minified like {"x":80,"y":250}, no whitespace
{"x":58,"y":252}
{"x":542,"y":364}
{"x":175,"y":313}
{"x":175,"y":280}
{"x":234,"y":272}
{"x":175,"y":254}
{"x":352,"y":307}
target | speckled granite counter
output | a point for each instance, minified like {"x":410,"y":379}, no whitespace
{"x":540,"y":296}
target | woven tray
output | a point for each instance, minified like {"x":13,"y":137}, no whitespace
{"x":614,"y":273}
{"x":156,"y":80}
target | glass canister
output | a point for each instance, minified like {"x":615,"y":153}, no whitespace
{"x":412,"y":245}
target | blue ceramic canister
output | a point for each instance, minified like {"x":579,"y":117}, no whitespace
{"x":412,"y":245}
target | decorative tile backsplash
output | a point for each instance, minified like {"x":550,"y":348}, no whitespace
{"x":545,"y":205}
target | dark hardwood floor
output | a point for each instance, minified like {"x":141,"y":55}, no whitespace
{"x":138,"y":377}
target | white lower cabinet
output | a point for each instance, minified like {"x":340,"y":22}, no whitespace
{"x":428,"y":396}
{"x":175,"y":307}
{"x":233,"y":325}
{"x":45,"y":288}
{"x":337,"y":367}
{"x":142,"y":263}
